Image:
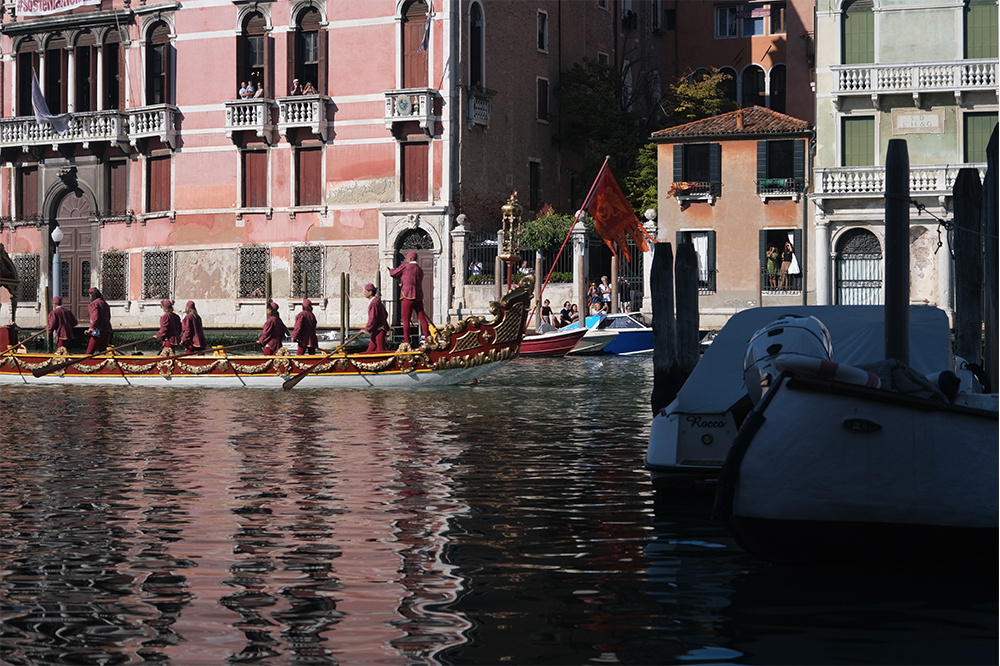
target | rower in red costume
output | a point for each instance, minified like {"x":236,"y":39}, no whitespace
{"x":170,"y":325}
{"x":100,"y":323}
{"x":378,"y":320}
{"x":304,"y":331}
{"x":192,"y":335}
{"x":274,"y":331}
{"x":61,"y":323}
{"x":411,"y":294}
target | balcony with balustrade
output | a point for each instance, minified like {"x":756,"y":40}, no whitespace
{"x":250,"y":115}
{"x":846,"y":183}
{"x":479,"y":106}
{"x":84,"y":128}
{"x":303,"y":112}
{"x":156,"y":121}
{"x":410,"y":105}
{"x":916,"y":79}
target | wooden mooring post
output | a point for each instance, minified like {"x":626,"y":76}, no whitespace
{"x":968,"y":197}
{"x":675,"y":340}
{"x":989,"y":227}
{"x":897,"y":251}
{"x":686,"y":291}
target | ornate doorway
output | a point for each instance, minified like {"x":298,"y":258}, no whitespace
{"x":859,"y":269}
{"x":73,"y":217}
{"x":419,"y":241}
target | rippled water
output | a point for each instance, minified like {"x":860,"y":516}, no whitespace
{"x":505,"y":522}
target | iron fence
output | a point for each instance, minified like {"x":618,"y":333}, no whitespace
{"x":780,"y":283}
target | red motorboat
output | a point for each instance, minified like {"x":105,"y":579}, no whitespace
{"x":553,"y":343}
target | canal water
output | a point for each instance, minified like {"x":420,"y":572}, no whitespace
{"x":505,"y":522}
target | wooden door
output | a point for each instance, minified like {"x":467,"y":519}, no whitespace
{"x":73,"y":217}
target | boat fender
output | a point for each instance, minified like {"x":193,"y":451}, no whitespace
{"x":823,"y":369}
{"x":947,"y":381}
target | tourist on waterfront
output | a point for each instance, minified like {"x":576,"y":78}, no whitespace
{"x":100,"y":322}
{"x":593,"y":298}
{"x":547,"y":313}
{"x":61,"y":323}
{"x":574,"y":314}
{"x":192,"y":335}
{"x":274,"y":331}
{"x":304,"y":331}
{"x":411,"y":294}
{"x":624,"y":292}
{"x":525,"y":269}
{"x":170,"y":325}
{"x":786,"y":263}
{"x":773,"y":264}
{"x":378,"y":320}
{"x":605,"y":290}
{"x":564,"y":314}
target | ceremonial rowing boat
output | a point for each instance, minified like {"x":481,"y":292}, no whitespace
{"x":462,"y":352}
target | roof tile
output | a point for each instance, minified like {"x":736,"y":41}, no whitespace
{"x":756,"y":120}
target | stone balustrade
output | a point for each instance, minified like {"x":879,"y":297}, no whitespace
{"x":250,"y":115}
{"x":870,"y":181}
{"x":85,"y":127}
{"x":410,"y":105}
{"x":956,"y":76}
{"x":303,"y":111}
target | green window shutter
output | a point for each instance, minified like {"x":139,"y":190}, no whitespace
{"x":761,"y":160}
{"x":858,"y":141}
{"x":711,"y":260}
{"x":715,"y":167}
{"x":762,"y":255}
{"x":678,"y":163}
{"x":799,"y":163}
{"x":981,"y":29}
{"x":978,"y":129}
{"x":858,"y":37}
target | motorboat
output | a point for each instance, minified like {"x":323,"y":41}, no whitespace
{"x":595,"y":339}
{"x":691,"y":437}
{"x":458,"y":353}
{"x":551,"y":341}
{"x":873,"y":462}
{"x":635,"y":333}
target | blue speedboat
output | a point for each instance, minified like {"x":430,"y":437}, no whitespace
{"x":635,"y":333}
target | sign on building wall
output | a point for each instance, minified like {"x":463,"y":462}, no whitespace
{"x":915,"y":121}
{"x":42,"y":7}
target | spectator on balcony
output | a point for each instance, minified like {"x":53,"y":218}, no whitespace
{"x":243,"y":90}
{"x":260,"y":92}
{"x":309,"y":89}
{"x":786,"y":263}
{"x":250,"y":89}
{"x":773,"y":264}
{"x":295,"y":88}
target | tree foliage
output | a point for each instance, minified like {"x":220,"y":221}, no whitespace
{"x":701,"y":95}
{"x":548,"y":230}
{"x":641,"y":183}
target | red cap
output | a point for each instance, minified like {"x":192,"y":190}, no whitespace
{"x":56,"y":300}
{"x":167,"y":303}
{"x":306,"y":303}
{"x":190,"y":305}
{"x":369,"y":287}
{"x":411,"y":256}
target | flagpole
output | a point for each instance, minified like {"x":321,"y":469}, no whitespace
{"x":576,"y":218}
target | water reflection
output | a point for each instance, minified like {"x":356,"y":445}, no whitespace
{"x":508,"y":521}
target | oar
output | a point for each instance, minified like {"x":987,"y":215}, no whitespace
{"x":290,"y":383}
{"x":201,"y":351}
{"x":10,"y":350}
{"x":61,"y":366}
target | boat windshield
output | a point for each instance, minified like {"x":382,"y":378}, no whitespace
{"x":631,"y":320}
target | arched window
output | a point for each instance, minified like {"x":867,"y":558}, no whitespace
{"x":777,"y":88}
{"x":414,"y":49}
{"x":253,"y":62}
{"x":86,"y":72}
{"x":158,"y":64}
{"x":113,"y":63}
{"x":307,"y":57}
{"x":27,"y":62}
{"x":730,"y":84}
{"x":859,"y":268}
{"x":477,"y":55}
{"x":858,"y":33}
{"x":56,"y":74}
{"x":753,"y":86}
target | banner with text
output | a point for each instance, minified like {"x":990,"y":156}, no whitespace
{"x":43,"y":7}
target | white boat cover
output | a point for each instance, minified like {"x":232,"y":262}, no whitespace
{"x":858,"y":333}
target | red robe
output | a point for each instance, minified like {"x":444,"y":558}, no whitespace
{"x":273,"y":334}
{"x":61,"y":323}
{"x":192,"y":337}
{"x":411,"y":278}
{"x":100,"y":326}
{"x":304,"y":331}
{"x":170,"y":329}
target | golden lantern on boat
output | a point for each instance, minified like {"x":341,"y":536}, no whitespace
{"x":510,"y":253}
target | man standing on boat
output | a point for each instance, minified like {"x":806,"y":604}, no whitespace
{"x":274,"y":331}
{"x":192,"y":335}
{"x":100,"y":322}
{"x":411,"y":294}
{"x":304,"y":331}
{"x":61,"y":323}
{"x":378,"y":320}
{"x":170,"y":326}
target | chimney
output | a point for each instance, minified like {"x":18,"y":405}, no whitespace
{"x":739,"y":118}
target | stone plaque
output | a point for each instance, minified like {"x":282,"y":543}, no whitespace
{"x":915,"y":121}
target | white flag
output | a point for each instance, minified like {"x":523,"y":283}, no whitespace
{"x":59,"y":122}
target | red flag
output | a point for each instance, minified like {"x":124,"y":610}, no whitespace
{"x":614,"y":217}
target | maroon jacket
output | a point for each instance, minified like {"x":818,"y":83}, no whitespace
{"x":304,"y":331}
{"x":411,"y":277}
{"x":100,"y":315}
{"x":273,"y":334}
{"x":378,"y":318}
{"x":170,"y":329}
{"x":61,"y":322}
{"x":191,"y":333}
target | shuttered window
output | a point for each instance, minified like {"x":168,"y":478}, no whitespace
{"x":253,"y":61}
{"x":414,"y":162}
{"x":858,"y":141}
{"x":699,"y":163}
{"x":704,"y":248}
{"x":981,"y":29}
{"x":117,"y":188}
{"x":27,"y":62}
{"x":56,"y":75}
{"x":158,"y":57}
{"x":27,"y":192}
{"x":158,"y":183}
{"x":414,"y":56}
{"x":86,"y":73}
{"x":114,"y":71}
{"x":254,"y":178}
{"x":307,"y":51}
{"x":978,"y":129}
{"x":308,"y":164}
{"x":858,"y":36}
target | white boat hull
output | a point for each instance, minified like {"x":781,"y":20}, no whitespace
{"x":837,"y":472}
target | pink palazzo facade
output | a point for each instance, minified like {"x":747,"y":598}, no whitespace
{"x":426,"y":115}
